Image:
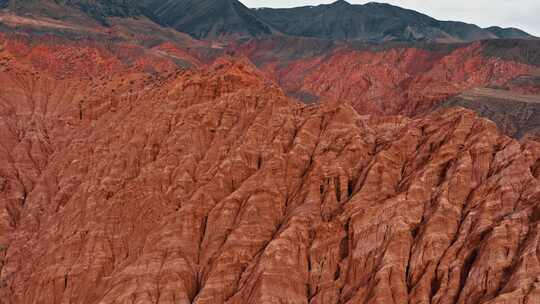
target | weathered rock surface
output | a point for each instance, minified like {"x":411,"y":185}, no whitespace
{"x":211,"y":186}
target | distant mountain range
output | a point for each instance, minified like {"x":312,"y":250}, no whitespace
{"x":376,"y":22}
{"x":211,"y":19}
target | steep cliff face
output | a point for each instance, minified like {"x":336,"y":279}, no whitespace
{"x":210,"y":185}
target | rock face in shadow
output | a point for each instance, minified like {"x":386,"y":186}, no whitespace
{"x":209,"y":185}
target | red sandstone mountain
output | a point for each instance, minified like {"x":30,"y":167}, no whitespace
{"x":138,"y":165}
{"x":210,"y":185}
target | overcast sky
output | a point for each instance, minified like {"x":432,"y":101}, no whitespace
{"x":523,"y":14}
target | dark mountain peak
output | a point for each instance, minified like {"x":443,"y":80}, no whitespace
{"x":339,"y":3}
{"x":206,"y":18}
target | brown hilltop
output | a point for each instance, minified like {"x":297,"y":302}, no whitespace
{"x":210,"y":185}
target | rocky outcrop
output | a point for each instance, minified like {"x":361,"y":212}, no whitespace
{"x":210,"y":185}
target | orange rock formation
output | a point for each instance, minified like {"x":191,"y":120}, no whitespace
{"x":210,"y":185}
